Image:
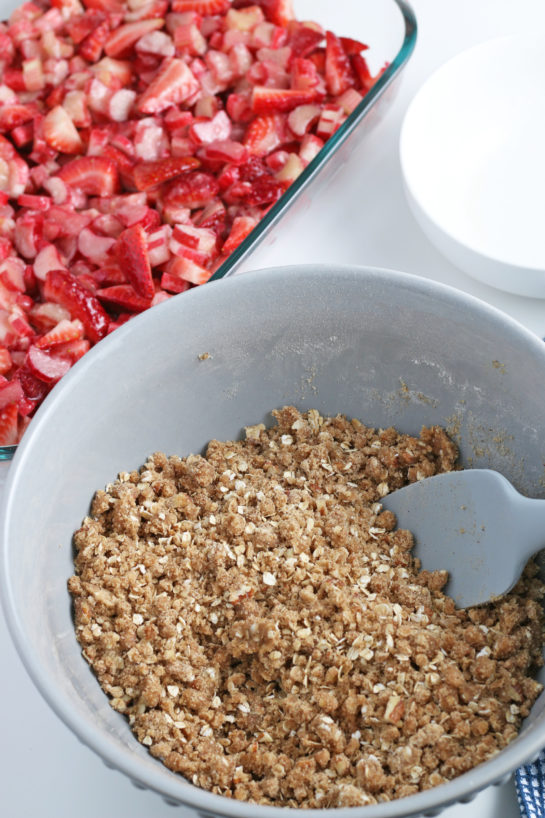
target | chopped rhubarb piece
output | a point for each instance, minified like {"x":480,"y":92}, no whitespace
{"x":45,"y":367}
{"x":204,"y":7}
{"x":64,"y":288}
{"x":191,"y":271}
{"x":132,"y":255}
{"x":216,"y":129}
{"x":173,"y":283}
{"x":93,"y":175}
{"x":149,"y":175}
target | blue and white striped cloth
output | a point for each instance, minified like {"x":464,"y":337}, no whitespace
{"x":530,"y":781}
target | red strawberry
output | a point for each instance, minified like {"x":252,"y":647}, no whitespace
{"x":271,"y":100}
{"x":190,"y":271}
{"x":352,"y":46}
{"x":338,"y":70}
{"x":8,"y":425}
{"x":73,"y":350}
{"x":91,"y":47}
{"x":5,"y":360}
{"x":304,"y":40}
{"x":132,"y":255}
{"x":82,"y":25}
{"x":10,"y":392}
{"x":279,"y":12}
{"x":64,"y":288}
{"x":93,"y":175}
{"x":264,"y":134}
{"x":242,"y":227}
{"x":60,"y":133}
{"x":13,"y":115}
{"x":192,"y":190}
{"x":45,"y":367}
{"x":148,"y":175}
{"x":204,"y":7}
{"x":63,"y":332}
{"x":34,"y":389}
{"x":172,"y":85}
{"x":360,"y":66}
{"x":123,"y":38}
{"x":125,"y":297}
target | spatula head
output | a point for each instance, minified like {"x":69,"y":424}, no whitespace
{"x":475,"y":525}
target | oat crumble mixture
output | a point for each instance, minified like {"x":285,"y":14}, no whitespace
{"x":264,"y":627}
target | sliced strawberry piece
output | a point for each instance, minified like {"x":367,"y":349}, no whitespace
{"x":10,"y":392}
{"x":148,"y":175}
{"x":132,"y":255}
{"x":33,"y":387}
{"x":124,"y":296}
{"x":192,"y":190}
{"x":64,"y":331}
{"x":264,"y":134}
{"x":93,"y":175}
{"x":271,"y":100}
{"x":242,"y":227}
{"x":351,"y":46}
{"x":173,"y":84}
{"x":5,"y":360}
{"x":60,"y":133}
{"x":8,"y":425}
{"x":91,"y":48}
{"x":73,"y":350}
{"x":279,"y":12}
{"x":190,"y":271}
{"x":365,"y":78}
{"x":203,"y":7}
{"x":338,"y":70}
{"x":45,"y":367}
{"x":304,"y":40}
{"x":122,"y":39}
{"x":64,"y":288}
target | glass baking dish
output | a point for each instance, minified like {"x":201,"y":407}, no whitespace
{"x":389,"y":28}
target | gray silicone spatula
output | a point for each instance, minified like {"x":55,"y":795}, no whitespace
{"x":475,"y":525}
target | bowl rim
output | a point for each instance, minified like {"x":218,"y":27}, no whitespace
{"x":410,"y":177}
{"x":524,"y":748}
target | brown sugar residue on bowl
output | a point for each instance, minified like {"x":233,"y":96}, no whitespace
{"x":264,"y":627}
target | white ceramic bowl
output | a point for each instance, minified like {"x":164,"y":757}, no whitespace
{"x":473,"y":162}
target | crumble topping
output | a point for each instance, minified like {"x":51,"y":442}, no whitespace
{"x":264,"y":627}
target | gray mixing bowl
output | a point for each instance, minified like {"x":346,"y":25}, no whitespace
{"x":384,"y":347}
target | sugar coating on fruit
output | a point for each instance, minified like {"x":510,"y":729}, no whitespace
{"x":267,"y":632}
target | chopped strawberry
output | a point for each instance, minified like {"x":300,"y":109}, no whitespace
{"x":304,"y":40}
{"x":173,"y":283}
{"x":73,"y":350}
{"x":45,"y":367}
{"x":351,"y":46}
{"x":264,"y":134}
{"x":64,"y":331}
{"x":122,"y":39}
{"x":338,"y":70}
{"x":192,"y":190}
{"x":64,"y":288}
{"x":173,"y":84}
{"x":149,"y":175}
{"x":8,"y":425}
{"x":279,"y":12}
{"x":10,"y":392}
{"x":60,"y":133}
{"x":5,"y":360}
{"x":125,"y":297}
{"x":242,"y":227}
{"x":271,"y":100}
{"x":93,"y":175}
{"x":132,"y":255}
{"x":365,"y":78}
{"x":204,"y":7}
{"x":91,"y":48}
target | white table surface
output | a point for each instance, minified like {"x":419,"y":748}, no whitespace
{"x":45,"y":772}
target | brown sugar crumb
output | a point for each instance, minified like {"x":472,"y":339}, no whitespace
{"x":265,"y":629}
